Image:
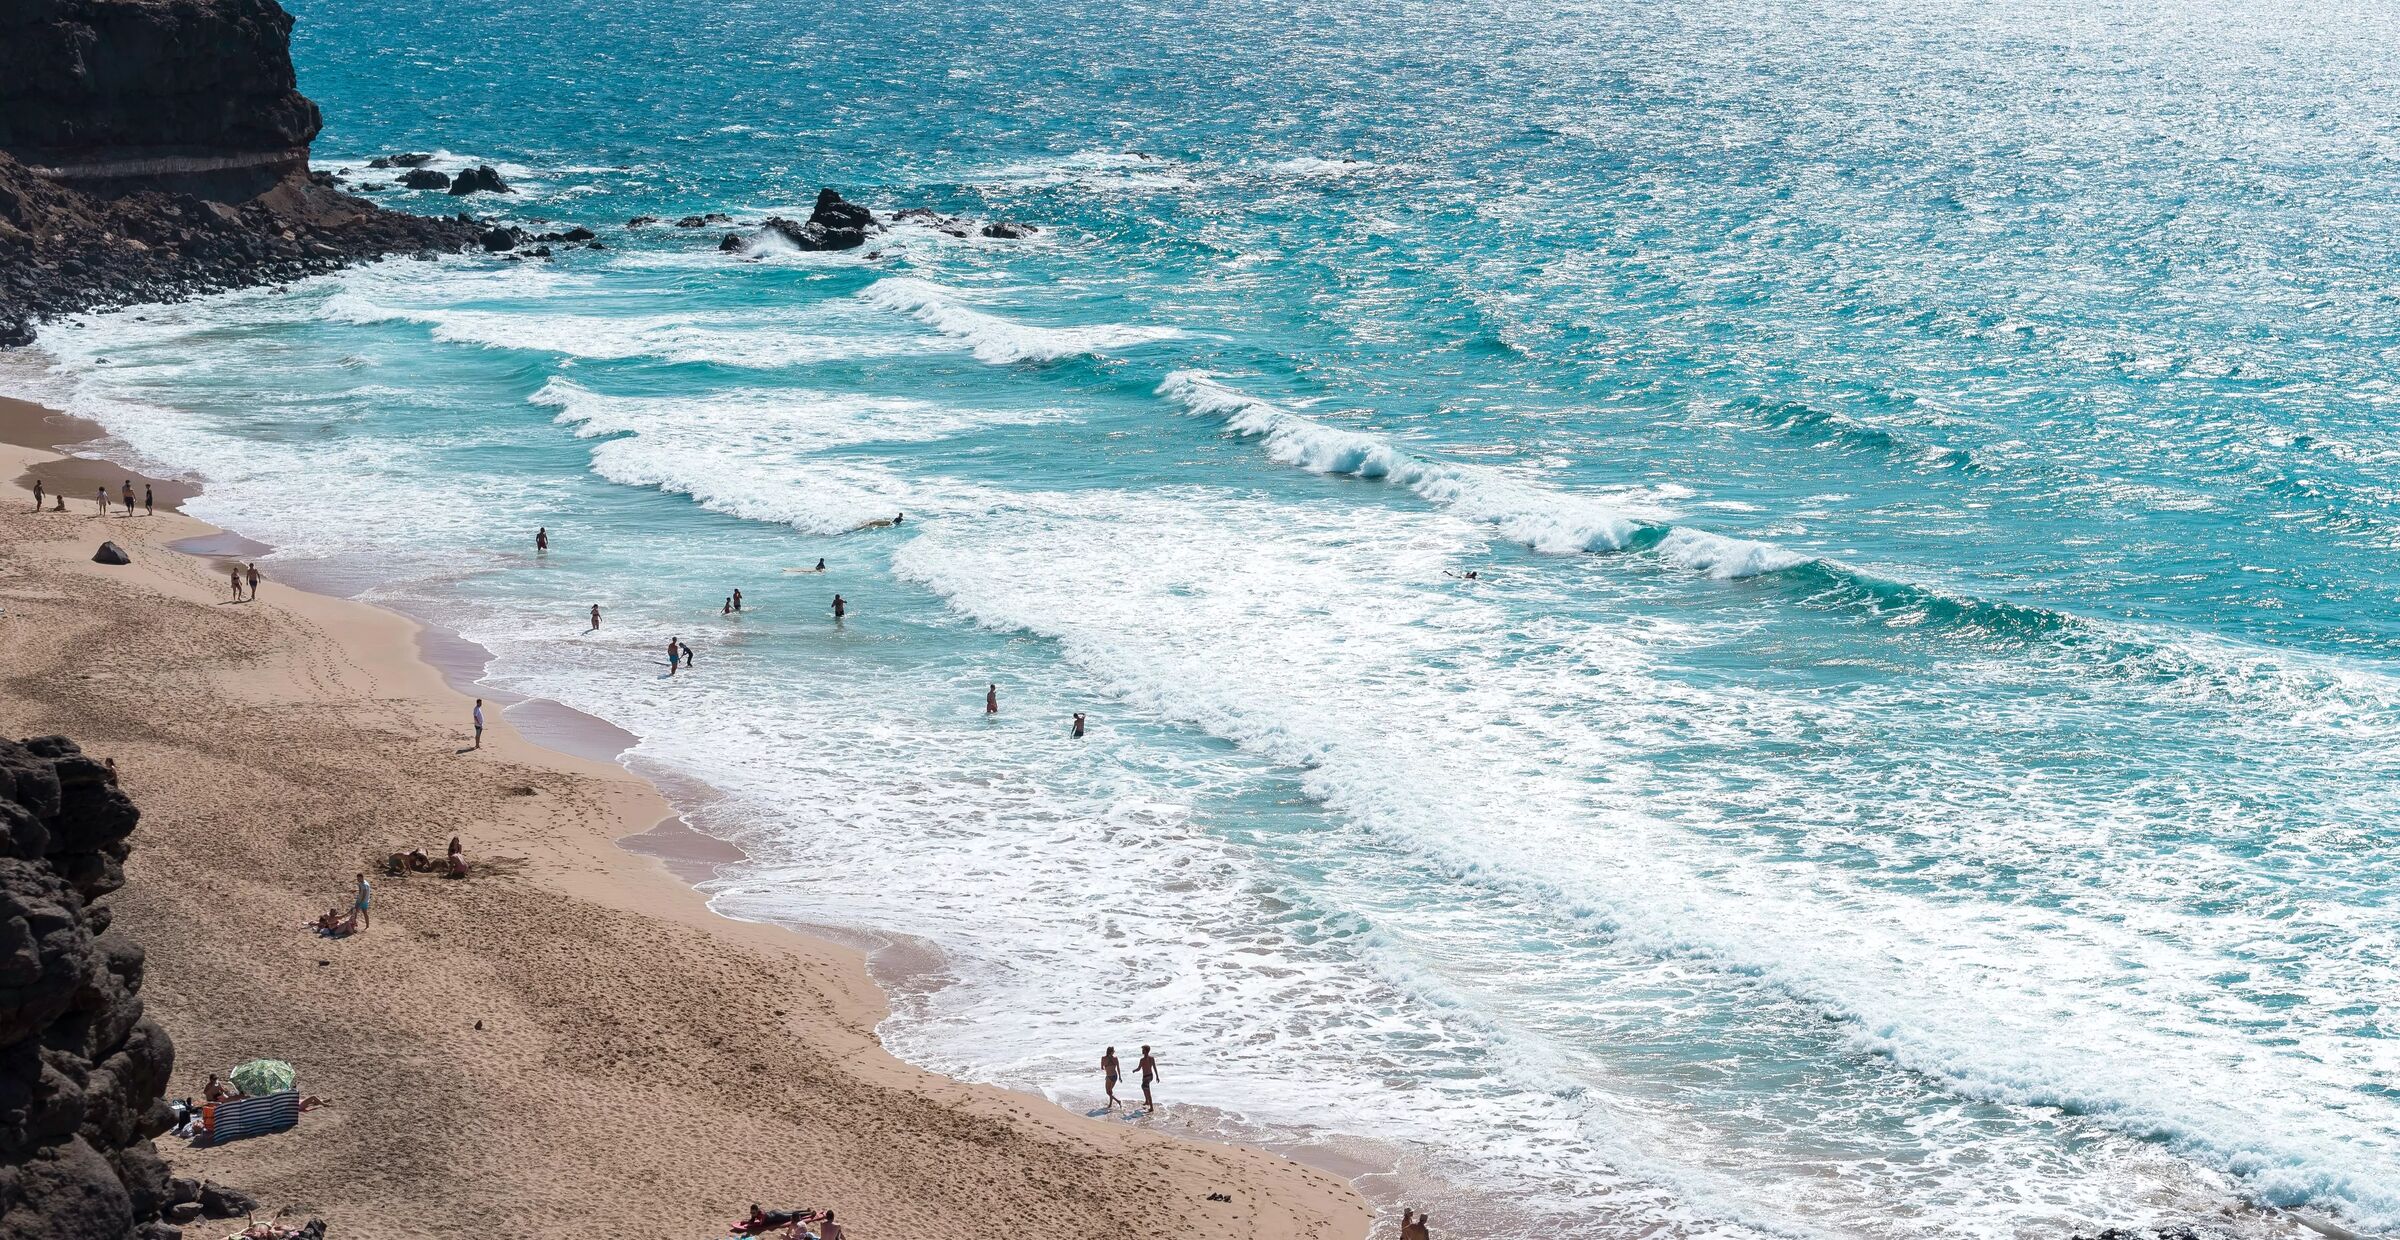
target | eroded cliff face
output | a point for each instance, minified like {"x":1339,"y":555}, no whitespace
{"x":182,"y":95}
{"x":151,"y":150}
{"x":81,"y":1068}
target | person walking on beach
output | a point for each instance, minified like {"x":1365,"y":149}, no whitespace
{"x":991,"y":699}
{"x":101,"y":498}
{"x":737,"y":600}
{"x":1078,"y":733}
{"x":149,"y":504}
{"x":252,"y":574}
{"x":37,"y":495}
{"x":1148,"y":1070}
{"x":674,"y":654}
{"x":1109,"y":1072}
{"x":358,"y":907}
{"x":595,"y":617}
{"x":479,"y":723}
{"x":838,"y":607}
{"x":129,"y":497}
{"x":541,"y":541}
{"x":237,"y":585}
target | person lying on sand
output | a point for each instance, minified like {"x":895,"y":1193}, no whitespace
{"x":334,"y":925}
{"x":414,"y":861}
{"x":762,"y":1222}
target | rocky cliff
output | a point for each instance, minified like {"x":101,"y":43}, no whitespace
{"x":81,"y":1068}
{"x":153,"y":149}
{"x":193,"y":95}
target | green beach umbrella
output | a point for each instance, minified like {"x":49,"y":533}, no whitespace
{"x":263,"y":1076}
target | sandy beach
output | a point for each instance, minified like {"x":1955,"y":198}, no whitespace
{"x":567,"y":1043}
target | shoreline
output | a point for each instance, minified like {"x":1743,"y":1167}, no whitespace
{"x":423,"y":671}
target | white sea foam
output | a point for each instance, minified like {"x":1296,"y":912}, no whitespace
{"x":1536,"y":516}
{"x":999,"y":340}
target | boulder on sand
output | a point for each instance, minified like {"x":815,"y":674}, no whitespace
{"x":111,"y":553}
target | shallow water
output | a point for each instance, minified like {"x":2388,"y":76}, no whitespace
{"x":1919,"y":756}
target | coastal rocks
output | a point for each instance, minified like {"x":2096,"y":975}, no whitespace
{"x":479,"y":180}
{"x":408,"y":159}
{"x":1005,"y":231}
{"x":111,"y":553}
{"x":954,"y":226}
{"x":425,"y":178}
{"x":496,"y":240}
{"x":154,"y":150}
{"x":576,"y":233}
{"x":732,"y":244}
{"x":835,"y":224}
{"x":81,"y":1067}
{"x":703,"y":221}
{"x":641,"y":221}
{"x":15,"y":333}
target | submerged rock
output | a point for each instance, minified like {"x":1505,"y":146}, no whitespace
{"x":835,"y":224}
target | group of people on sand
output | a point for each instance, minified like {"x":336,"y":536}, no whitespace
{"x":800,"y":1224}
{"x":1111,"y":1071}
{"x":414,"y":861}
{"x":244,"y":574}
{"x":99,"y":498}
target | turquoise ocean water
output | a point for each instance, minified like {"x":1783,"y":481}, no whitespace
{"x":1919,"y":760}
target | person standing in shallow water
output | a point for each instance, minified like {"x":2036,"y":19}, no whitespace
{"x":1077,"y":734}
{"x":595,"y":617}
{"x":991,"y":699}
{"x":1148,"y":1070}
{"x":1412,"y":1225}
{"x":541,"y":541}
{"x":674,"y":654}
{"x":839,"y":608}
{"x":737,"y":600}
{"x":1109,"y":1072}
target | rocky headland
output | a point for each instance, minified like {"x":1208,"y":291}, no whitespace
{"x":152,"y":150}
{"x":81,"y":1067}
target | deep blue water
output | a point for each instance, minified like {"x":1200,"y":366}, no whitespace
{"x":1918,"y":757}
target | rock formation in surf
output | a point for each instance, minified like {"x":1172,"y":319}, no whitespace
{"x":155,"y":149}
{"x":81,"y":1067}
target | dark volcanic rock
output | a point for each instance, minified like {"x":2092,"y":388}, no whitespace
{"x":703,"y":221}
{"x":481,"y":180}
{"x":425,"y":178}
{"x":81,"y":1068}
{"x":153,"y":150}
{"x":732,"y":244}
{"x":411,"y":159}
{"x":111,"y":553}
{"x":641,"y":221}
{"x":834,"y":225}
{"x":1006,"y":231}
{"x":498,"y":239}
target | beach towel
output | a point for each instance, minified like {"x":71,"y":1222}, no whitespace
{"x":251,"y":1117}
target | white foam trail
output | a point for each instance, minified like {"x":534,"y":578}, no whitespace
{"x":1535,"y":516}
{"x":998,"y":340}
{"x":725,"y":340}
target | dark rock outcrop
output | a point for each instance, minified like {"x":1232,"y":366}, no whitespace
{"x":641,"y":221}
{"x":703,"y":221}
{"x":732,"y":244}
{"x":836,"y":224}
{"x":152,"y":150}
{"x":425,"y":178}
{"x":111,"y":553}
{"x":1006,"y":231}
{"x":483,"y":180}
{"x":81,"y":1067}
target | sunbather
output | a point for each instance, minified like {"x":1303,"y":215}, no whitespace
{"x":334,"y":925}
{"x":763,"y":1222}
{"x":457,"y":863}
{"x":412,"y":861}
{"x":218,"y":1091}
